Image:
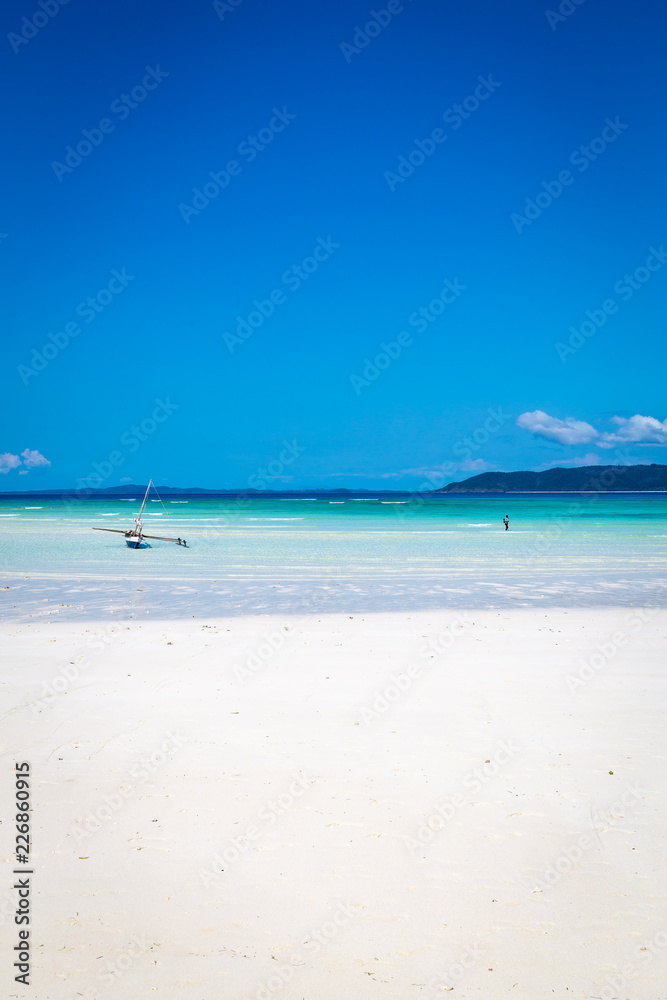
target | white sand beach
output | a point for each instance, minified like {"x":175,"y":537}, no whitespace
{"x":372,"y":806}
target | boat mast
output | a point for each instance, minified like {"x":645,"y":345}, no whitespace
{"x":137,"y":520}
{"x":150,"y":483}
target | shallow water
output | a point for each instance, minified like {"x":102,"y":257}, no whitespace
{"x":332,"y":554}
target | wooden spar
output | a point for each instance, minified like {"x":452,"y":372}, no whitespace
{"x":161,"y":538}
{"x":119,"y":531}
{"x":157,"y":538}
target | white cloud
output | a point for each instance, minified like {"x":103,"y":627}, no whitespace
{"x":636,"y":430}
{"x":631,"y":430}
{"x":568,"y":431}
{"x":345,"y":475}
{"x":439,"y":473}
{"x":33,"y":459}
{"x":8,"y":461}
{"x":23,"y":472}
{"x":573,"y":463}
{"x":420,"y":471}
{"x":475,"y":465}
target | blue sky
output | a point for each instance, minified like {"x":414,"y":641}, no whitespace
{"x":162,"y":322}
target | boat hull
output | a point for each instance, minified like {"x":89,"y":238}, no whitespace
{"x":134,"y":542}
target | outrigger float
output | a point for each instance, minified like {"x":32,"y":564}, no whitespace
{"x":135,"y":536}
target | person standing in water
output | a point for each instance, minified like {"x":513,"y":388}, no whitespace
{"x":506,"y":522}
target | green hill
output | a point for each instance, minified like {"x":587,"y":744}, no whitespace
{"x":589,"y":478}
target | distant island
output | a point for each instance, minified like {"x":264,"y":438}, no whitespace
{"x":138,"y":490}
{"x":589,"y":478}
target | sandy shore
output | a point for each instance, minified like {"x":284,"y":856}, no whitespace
{"x":366,"y":806}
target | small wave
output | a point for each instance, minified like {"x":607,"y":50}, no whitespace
{"x":33,"y":508}
{"x":393,"y":501}
{"x":481,"y":524}
{"x":115,"y":514}
{"x":178,"y":501}
{"x":275,"y":519}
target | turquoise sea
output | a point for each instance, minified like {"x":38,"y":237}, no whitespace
{"x":332,"y":554}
